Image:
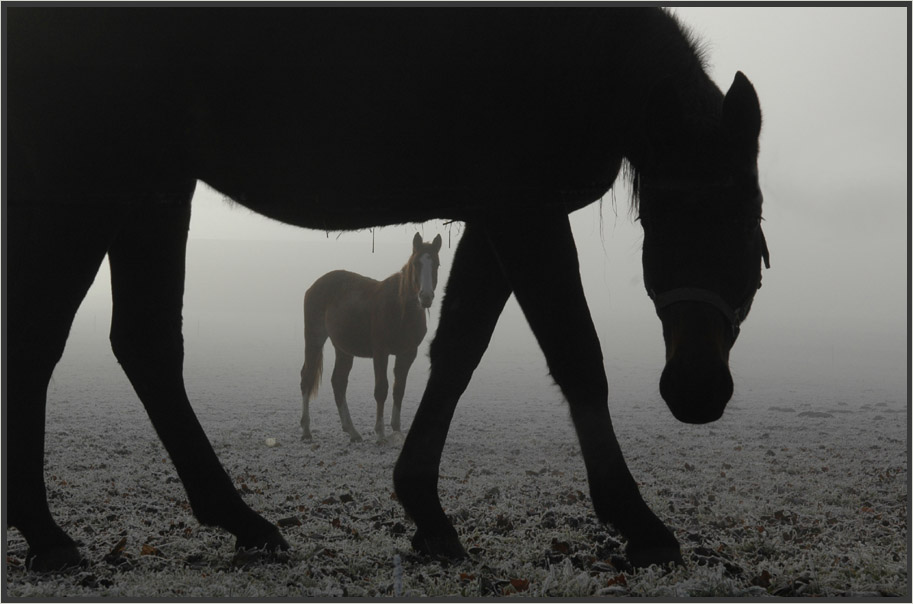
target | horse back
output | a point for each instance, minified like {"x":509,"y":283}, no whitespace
{"x":326,"y":109}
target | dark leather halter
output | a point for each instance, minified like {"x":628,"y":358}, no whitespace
{"x":698,"y":294}
{"x":735,"y":316}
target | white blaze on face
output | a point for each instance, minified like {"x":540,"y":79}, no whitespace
{"x":426,"y":285}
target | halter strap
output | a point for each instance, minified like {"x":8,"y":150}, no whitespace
{"x":697,"y":294}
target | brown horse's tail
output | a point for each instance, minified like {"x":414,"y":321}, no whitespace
{"x":315,"y":335}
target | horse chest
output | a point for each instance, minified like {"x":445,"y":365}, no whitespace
{"x":400,"y":334}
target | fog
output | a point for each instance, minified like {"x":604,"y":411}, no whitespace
{"x":830,"y":320}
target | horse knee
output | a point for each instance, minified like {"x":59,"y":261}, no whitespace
{"x":399,"y":390}
{"x":460,"y":361}
{"x":581,"y":382}
{"x":135,"y":348}
{"x":339,"y":382}
{"x":381,"y":387}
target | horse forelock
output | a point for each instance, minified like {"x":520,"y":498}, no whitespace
{"x":409,"y":282}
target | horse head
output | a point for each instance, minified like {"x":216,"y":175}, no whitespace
{"x":421,"y":270}
{"x":700,"y":208}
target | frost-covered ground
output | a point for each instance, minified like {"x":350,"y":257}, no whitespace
{"x":800,"y":490}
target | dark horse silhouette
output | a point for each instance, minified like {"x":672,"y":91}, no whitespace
{"x":341,"y":119}
{"x":367,"y":318}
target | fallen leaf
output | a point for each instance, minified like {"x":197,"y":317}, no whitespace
{"x":118,"y":549}
{"x":762,"y":580}
{"x":290,"y":521}
{"x":561,"y":547}
{"x":617,"y":580}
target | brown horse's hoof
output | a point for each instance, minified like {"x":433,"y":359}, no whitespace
{"x":55,"y":558}
{"x":441,"y":547}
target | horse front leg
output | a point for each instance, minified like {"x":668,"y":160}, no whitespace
{"x":576,"y":364}
{"x":381,"y":387}
{"x":53,"y":258}
{"x":400,"y":371}
{"x":474,"y":298}
{"x":340,"y":382}
{"x":147,"y":283}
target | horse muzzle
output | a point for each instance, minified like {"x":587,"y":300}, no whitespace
{"x":696,"y":383}
{"x":425,"y":299}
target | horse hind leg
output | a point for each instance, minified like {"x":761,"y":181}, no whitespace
{"x":340,"y":382}
{"x":54,"y":259}
{"x":315,"y":336}
{"x":147,"y":281}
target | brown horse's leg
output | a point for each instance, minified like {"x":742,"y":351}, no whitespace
{"x":475,"y":296}
{"x":147,"y":283}
{"x":54,"y":254}
{"x":340,"y":382}
{"x":400,"y":371}
{"x":381,"y":387}
{"x":546,"y":282}
{"x":315,"y":336}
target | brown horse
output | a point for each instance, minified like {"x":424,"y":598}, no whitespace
{"x":371,"y":319}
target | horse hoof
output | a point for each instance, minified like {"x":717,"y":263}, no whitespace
{"x":355,"y":438}
{"x":655,"y":553}
{"x":270,"y":541}
{"x":306,"y":438}
{"x":55,"y":558}
{"x":393,"y":439}
{"x":245,"y":557}
{"x":440,"y":547}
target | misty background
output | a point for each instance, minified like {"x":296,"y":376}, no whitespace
{"x":830,"y":322}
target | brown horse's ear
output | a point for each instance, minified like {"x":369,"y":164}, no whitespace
{"x":416,"y":242}
{"x":436,"y":244}
{"x":741,"y":120}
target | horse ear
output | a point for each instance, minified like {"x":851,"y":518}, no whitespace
{"x":436,"y":244}
{"x":741,"y":120}
{"x":416,"y":242}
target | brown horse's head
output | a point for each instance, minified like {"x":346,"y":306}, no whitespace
{"x":702,"y":253}
{"x":420,"y":273}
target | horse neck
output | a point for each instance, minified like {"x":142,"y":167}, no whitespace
{"x":407,"y":298}
{"x":652,"y":52}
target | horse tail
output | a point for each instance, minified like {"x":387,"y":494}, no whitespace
{"x":315,"y":335}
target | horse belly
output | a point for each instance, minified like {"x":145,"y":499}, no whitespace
{"x":349,"y":328}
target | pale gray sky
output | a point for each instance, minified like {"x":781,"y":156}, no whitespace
{"x":833,"y":165}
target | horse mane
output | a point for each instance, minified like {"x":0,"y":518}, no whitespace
{"x":688,"y":55}
{"x":405,"y":280}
